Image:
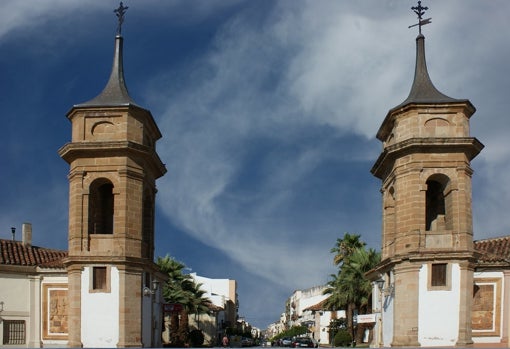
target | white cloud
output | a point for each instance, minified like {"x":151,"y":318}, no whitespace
{"x":268,"y":137}
{"x":310,"y":65}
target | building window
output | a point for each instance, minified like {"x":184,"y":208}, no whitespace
{"x":14,"y":332}
{"x":100,"y":279}
{"x":438,"y":276}
{"x":101,"y":202}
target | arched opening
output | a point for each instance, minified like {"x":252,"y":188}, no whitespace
{"x":437,"y":204}
{"x":101,"y":206}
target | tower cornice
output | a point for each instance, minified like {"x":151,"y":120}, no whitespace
{"x":467,"y":145}
{"x":463,"y":106}
{"x":76,"y":150}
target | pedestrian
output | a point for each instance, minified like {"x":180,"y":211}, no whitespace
{"x":224,"y":341}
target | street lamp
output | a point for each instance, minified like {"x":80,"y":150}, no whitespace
{"x":380,"y":285}
{"x":150,"y":291}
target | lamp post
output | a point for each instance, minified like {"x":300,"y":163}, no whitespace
{"x":150,"y":292}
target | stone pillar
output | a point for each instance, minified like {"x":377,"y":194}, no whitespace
{"x":406,"y":300}
{"x":506,"y":308}
{"x":130,"y":307}
{"x":465,"y":304}
{"x":74,"y":306}
{"x":34,"y":330}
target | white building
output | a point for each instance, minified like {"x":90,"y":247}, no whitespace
{"x":321,"y":321}
{"x":301,"y":300}
{"x":33,"y":294}
{"x":223,"y":314}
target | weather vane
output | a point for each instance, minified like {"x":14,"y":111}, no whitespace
{"x":119,"y":12}
{"x":420,"y":11}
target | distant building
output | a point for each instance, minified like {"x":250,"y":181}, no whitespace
{"x":301,"y":300}
{"x":320,"y":330}
{"x":224,"y":310}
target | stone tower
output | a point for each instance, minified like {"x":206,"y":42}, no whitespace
{"x":427,"y":235}
{"x":112,"y":188}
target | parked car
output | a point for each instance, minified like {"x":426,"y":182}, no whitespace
{"x":286,"y":342}
{"x":247,"y":342}
{"x":303,"y":343}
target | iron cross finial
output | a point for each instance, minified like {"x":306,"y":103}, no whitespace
{"x":119,"y":12}
{"x":420,"y":11}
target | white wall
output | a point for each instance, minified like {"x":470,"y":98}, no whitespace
{"x":438,"y":319}
{"x":217,"y":290}
{"x":387,"y":318}
{"x":100,"y":312}
{"x":15,"y":293}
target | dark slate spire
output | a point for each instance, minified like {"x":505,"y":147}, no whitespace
{"x":115,"y":92}
{"x":423,"y":90}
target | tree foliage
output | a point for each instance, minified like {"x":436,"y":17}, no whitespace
{"x":181,"y":289}
{"x":294,"y":331}
{"x":348,"y":288}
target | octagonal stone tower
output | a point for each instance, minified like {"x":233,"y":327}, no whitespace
{"x":427,"y":234}
{"x":112,"y":188}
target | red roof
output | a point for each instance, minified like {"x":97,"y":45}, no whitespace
{"x":20,"y":254}
{"x":495,"y":250}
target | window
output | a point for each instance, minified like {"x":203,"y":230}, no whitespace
{"x":14,"y":332}
{"x":99,"y":278}
{"x":101,"y":207}
{"x":438,"y":275}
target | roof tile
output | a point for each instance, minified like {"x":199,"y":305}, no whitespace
{"x":493,"y":250}
{"x":20,"y":254}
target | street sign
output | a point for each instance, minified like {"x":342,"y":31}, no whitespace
{"x":366,"y":318}
{"x":172,"y":308}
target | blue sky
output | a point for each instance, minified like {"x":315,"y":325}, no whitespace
{"x":268,"y":111}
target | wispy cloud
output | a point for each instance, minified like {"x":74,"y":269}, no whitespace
{"x":268,"y":127}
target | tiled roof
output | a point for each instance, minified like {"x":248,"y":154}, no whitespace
{"x":213,"y":307}
{"x":495,"y":250}
{"x":20,"y":254}
{"x":319,"y":306}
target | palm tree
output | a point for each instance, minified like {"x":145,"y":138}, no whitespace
{"x":181,"y":289}
{"x":349,"y":289}
{"x":194,"y":303}
{"x":345,"y":246}
{"x":173,"y":292}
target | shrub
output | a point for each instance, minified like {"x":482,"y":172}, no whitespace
{"x":342,"y":338}
{"x":196,"y":338}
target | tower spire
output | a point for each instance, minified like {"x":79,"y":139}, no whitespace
{"x":115,"y":92}
{"x":423,"y":90}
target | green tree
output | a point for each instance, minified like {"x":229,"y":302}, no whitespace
{"x":344,"y":247}
{"x":349,"y":289}
{"x":181,"y":289}
{"x":173,"y":292}
{"x":194,"y":303}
